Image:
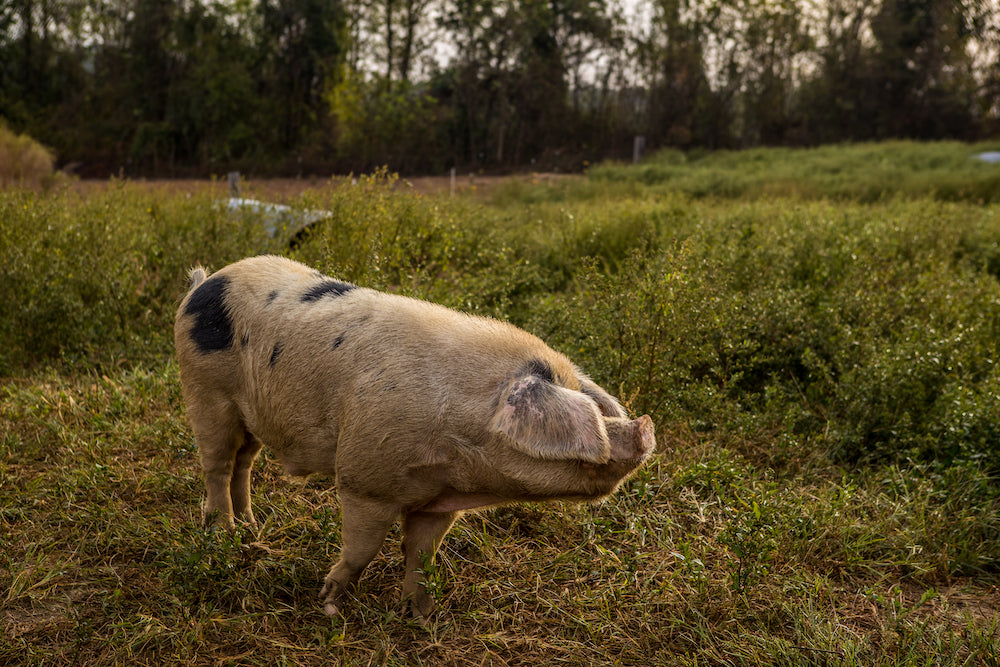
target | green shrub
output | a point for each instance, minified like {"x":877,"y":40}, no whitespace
{"x":867,"y":172}
{"x":23,"y":161}
{"x":869,"y":332}
{"x":96,"y":281}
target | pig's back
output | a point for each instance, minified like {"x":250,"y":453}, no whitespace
{"x":309,"y":356}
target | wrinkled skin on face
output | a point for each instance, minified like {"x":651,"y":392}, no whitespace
{"x":419,"y":411}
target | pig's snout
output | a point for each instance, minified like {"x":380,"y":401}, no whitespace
{"x":632,"y":441}
{"x":646,"y":441}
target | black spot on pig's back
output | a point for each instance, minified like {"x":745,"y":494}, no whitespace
{"x":212,"y":330}
{"x":328,"y":287}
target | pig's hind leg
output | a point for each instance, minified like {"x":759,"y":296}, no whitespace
{"x":227,"y":452}
{"x":239,"y":489}
{"x":422,"y":535}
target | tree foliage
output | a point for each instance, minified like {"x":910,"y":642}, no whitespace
{"x":171,"y":86}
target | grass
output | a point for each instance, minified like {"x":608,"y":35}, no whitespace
{"x":822,"y":373}
{"x":867,"y":172}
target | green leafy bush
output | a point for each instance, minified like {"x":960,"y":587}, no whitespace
{"x":867,"y":172}
{"x":96,"y":281}
{"x":23,"y":161}
{"x":869,"y":332}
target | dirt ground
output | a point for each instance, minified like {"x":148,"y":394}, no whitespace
{"x":284,"y":190}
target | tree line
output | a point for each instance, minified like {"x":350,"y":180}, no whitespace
{"x":172,"y":87}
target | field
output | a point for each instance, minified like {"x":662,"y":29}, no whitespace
{"x":816,"y":335}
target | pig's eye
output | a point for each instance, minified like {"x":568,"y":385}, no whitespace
{"x":539,"y":369}
{"x":608,"y":406}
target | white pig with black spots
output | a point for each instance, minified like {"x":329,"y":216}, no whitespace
{"x":419,"y":411}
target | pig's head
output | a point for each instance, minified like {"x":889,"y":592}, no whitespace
{"x":562,"y":442}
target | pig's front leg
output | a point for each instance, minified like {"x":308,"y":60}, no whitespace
{"x":422,"y":534}
{"x":364,"y":527}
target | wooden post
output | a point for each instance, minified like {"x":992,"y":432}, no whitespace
{"x":234,"y":184}
{"x":452,"y":189}
{"x":638,"y":146}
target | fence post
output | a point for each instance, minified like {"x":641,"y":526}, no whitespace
{"x":638,"y":146}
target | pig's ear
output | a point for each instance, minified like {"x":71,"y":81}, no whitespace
{"x":547,"y":421}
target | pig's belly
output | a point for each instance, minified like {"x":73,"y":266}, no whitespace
{"x":321,"y":461}
{"x":303,"y":446}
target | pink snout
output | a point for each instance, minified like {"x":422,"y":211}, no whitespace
{"x":631,"y":440}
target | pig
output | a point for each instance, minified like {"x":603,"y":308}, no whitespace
{"x":418,"y":411}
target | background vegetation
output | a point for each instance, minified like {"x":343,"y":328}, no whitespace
{"x":820,"y":358}
{"x":23,"y":161}
{"x":171,"y":87}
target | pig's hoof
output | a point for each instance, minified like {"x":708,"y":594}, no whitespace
{"x":330,"y":596}
{"x":422,"y":608}
{"x":216,"y":520}
{"x":422,"y":620}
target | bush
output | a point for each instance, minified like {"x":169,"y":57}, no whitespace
{"x":868,"y":332}
{"x":867,"y":172}
{"x":96,"y":282}
{"x":23,"y":161}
